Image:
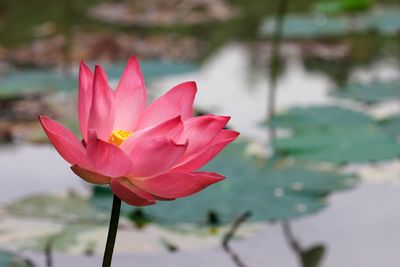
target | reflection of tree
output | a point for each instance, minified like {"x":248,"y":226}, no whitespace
{"x":363,"y":51}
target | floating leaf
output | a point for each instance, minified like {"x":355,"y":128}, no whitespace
{"x":333,"y":134}
{"x":385,"y":21}
{"x":340,"y":145}
{"x":270,"y":192}
{"x":305,"y":27}
{"x":66,"y":209}
{"x":320,"y":117}
{"x":19,"y":82}
{"x":391,"y":125}
{"x":8,"y":259}
{"x":371,"y":93}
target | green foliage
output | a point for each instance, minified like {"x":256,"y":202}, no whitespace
{"x":371,"y":93}
{"x":340,"y":6}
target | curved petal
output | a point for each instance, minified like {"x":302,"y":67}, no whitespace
{"x":90,"y":177}
{"x":172,"y":129}
{"x":175,"y":185}
{"x":106,"y":158}
{"x":84,"y":97}
{"x":101,"y":117}
{"x":177,"y":101}
{"x":196,"y":161}
{"x":152,"y":156}
{"x":65,"y":142}
{"x":129,"y":193}
{"x":130,"y":96}
{"x":200,"y":131}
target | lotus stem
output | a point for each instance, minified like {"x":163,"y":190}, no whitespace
{"x":112,"y":231}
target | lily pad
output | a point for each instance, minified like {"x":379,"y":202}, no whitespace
{"x":385,"y":21}
{"x":340,"y":145}
{"x":271,"y":192}
{"x":25,"y":81}
{"x":8,"y":259}
{"x":391,"y":125}
{"x":297,"y":26}
{"x":69,"y":209}
{"x":320,"y":117}
{"x":333,"y":134}
{"x":371,"y":93}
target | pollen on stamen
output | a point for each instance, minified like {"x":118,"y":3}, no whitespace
{"x":119,"y":136}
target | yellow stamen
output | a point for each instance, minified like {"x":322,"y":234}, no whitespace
{"x":119,"y":136}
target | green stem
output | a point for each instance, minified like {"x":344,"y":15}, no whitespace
{"x":112,"y":232}
{"x":275,"y":63}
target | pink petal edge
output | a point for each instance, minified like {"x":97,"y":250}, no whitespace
{"x":102,"y":113}
{"x":85,"y":95}
{"x":130,"y":194}
{"x":130,"y":96}
{"x":196,"y":161}
{"x":177,"y":101}
{"x":176,"y":185}
{"x":65,"y":142}
{"x":90,"y":177}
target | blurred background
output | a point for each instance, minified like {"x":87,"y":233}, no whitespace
{"x":313,"y":87}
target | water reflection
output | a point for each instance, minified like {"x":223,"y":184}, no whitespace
{"x":227,"y":85}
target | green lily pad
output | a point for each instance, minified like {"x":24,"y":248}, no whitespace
{"x":308,"y":26}
{"x":71,"y":209}
{"x":340,"y":145}
{"x":371,"y":93}
{"x":333,"y":134}
{"x":270,"y":192}
{"x":391,"y":125}
{"x":8,"y":259}
{"x":62,"y":241}
{"x":385,"y":21}
{"x":320,"y":117}
{"x":26,"y":81}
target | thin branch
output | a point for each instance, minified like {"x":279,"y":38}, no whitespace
{"x":229,"y":236}
{"x":288,"y":233}
{"x":48,"y":252}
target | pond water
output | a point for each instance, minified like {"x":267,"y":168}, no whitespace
{"x":358,"y":228}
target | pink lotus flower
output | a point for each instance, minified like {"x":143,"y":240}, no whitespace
{"x":145,"y":152}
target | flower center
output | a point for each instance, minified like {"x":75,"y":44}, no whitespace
{"x":119,"y":136}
